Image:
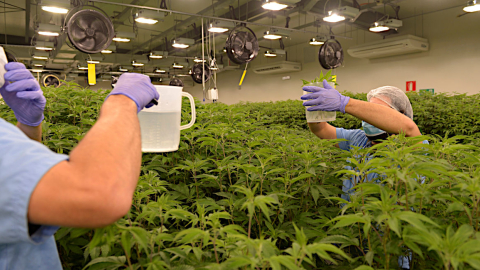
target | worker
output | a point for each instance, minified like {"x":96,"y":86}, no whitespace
{"x":387,"y":112}
{"x":42,"y":190}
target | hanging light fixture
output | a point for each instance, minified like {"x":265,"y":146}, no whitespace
{"x":158,"y":54}
{"x":341,"y":13}
{"x":123,"y":36}
{"x":385,"y":25}
{"x":148,"y":16}
{"x":472,"y":6}
{"x":177,"y":65}
{"x":220,"y":26}
{"x":317,"y":41}
{"x":270,"y":5}
{"x":49,"y":30}
{"x":36,"y":63}
{"x":160,"y":70}
{"x":182,"y":43}
{"x":94,"y":59}
{"x":276,"y":34}
{"x":110,"y":49}
{"x":41,"y":55}
{"x":44,"y":45}
{"x":55,"y":6}
{"x":270,"y":54}
{"x":139,"y":63}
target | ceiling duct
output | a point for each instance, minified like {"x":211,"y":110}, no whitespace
{"x":278,"y":67}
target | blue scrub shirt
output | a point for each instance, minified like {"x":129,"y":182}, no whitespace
{"x":23,"y":162}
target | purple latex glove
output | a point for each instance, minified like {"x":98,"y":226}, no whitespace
{"x":138,"y":88}
{"x":324,"y":99}
{"x":23,"y":94}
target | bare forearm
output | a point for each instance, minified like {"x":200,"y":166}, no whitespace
{"x":111,"y":150}
{"x":34,"y":133}
{"x":382,"y":117}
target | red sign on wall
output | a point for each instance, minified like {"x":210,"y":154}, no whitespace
{"x":411,"y":86}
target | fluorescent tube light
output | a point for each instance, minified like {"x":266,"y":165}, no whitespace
{"x":93,"y":62}
{"x":48,"y":33}
{"x":41,"y":55}
{"x":146,"y":20}
{"x":44,"y":46}
{"x":83,"y":68}
{"x":119,"y":39}
{"x":275,"y":6}
{"x":57,"y":10}
{"x":49,"y":30}
{"x":37,"y":70}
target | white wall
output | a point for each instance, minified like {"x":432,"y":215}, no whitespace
{"x":451,"y":65}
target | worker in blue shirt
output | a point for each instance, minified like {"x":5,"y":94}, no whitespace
{"x":41,"y":190}
{"x":388,"y":111}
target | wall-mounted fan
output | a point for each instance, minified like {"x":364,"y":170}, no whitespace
{"x":330,"y":54}
{"x":176,"y":82}
{"x":90,"y":31}
{"x":242,"y":45}
{"x":197,"y":71}
{"x":50,"y":80}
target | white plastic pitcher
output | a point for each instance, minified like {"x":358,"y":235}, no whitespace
{"x":160,"y":124}
{"x":318,"y":116}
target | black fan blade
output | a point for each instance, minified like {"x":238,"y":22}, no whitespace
{"x":98,"y":25}
{"x":88,"y":43}
{"x":82,"y":22}
{"x":100,"y":38}
{"x":77,"y":32}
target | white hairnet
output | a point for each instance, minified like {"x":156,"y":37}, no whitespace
{"x":394,"y":97}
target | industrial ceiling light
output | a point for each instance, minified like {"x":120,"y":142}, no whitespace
{"x":341,"y":13}
{"x":199,"y":60}
{"x":37,"y":70}
{"x":49,"y":30}
{"x":124,"y":68}
{"x":38,"y":63}
{"x":109,"y":49}
{"x":317,"y":41}
{"x":276,"y":34}
{"x":44,"y":46}
{"x":273,"y":5}
{"x":270,"y":54}
{"x":177,"y":65}
{"x":148,"y":16}
{"x":385,"y":25}
{"x":123,"y":36}
{"x":82,"y":68}
{"x":41,"y":55}
{"x":182,"y":43}
{"x":138,"y":63}
{"x":55,"y":6}
{"x":220,"y":26}
{"x":158,"y":54}
{"x":161,"y":70}
{"x":472,"y":6}
{"x":94,"y":60}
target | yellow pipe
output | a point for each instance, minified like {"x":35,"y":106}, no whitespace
{"x":243,"y":77}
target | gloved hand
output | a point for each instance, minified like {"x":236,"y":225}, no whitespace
{"x":138,"y":88}
{"x":23,"y":95}
{"x":324,"y":99}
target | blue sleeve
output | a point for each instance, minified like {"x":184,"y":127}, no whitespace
{"x":23,"y":162}
{"x":354,"y":137}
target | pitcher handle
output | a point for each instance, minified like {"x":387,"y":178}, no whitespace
{"x":192,"y":104}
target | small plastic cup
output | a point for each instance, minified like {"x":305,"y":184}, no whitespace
{"x":318,"y":116}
